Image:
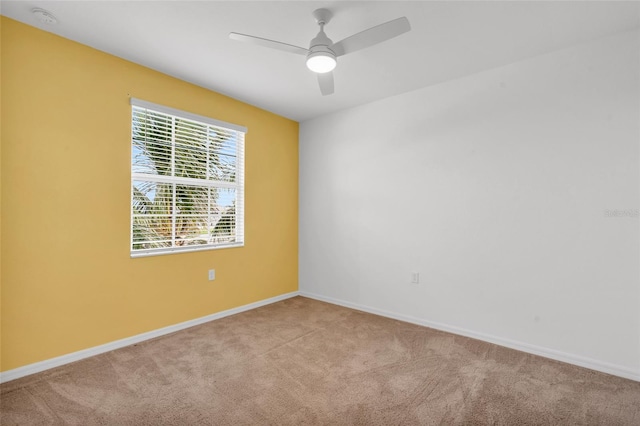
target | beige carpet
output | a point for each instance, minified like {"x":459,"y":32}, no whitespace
{"x":301,"y":361}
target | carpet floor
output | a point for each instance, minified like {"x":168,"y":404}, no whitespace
{"x":305,"y":362}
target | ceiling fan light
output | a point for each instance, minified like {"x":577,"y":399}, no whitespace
{"x":321,"y":62}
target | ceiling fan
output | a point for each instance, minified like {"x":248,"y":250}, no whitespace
{"x":322,"y":53}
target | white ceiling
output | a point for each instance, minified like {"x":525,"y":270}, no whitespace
{"x":189,"y":40}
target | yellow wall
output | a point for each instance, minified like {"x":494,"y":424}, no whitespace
{"x":68,"y":282}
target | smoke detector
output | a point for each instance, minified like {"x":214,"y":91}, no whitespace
{"x":44,"y":16}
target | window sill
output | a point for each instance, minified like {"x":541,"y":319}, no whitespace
{"x":160,"y":252}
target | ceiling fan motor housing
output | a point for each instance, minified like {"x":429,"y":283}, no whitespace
{"x":321,"y":41}
{"x":321,"y":53}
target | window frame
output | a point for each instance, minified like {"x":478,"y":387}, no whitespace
{"x":238,"y":185}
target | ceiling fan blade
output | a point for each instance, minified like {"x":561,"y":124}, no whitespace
{"x":371,"y":36}
{"x":269,"y":43}
{"x":325,"y":80}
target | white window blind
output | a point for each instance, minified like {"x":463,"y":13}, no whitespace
{"x":187,"y":181}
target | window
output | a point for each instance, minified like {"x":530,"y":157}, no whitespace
{"x":187,"y":181}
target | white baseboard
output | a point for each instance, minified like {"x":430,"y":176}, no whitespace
{"x":86,"y":353}
{"x":520,"y":346}
{"x":581,"y":361}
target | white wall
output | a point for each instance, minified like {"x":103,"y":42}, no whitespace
{"x":495,"y":188}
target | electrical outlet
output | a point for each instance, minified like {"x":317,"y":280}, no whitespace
{"x":212,"y":274}
{"x":415,"y":278}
